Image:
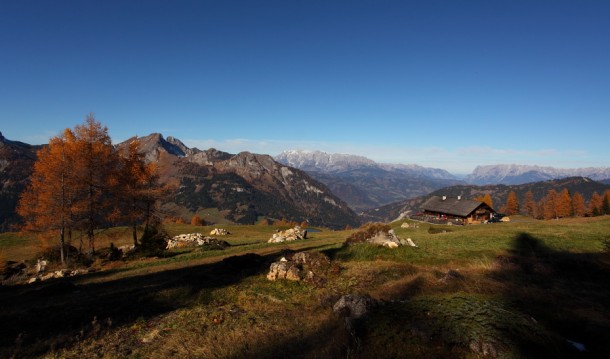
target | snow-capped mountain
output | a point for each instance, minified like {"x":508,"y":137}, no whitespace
{"x":364,"y":183}
{"x":336,"y":162}
{"x":322,"y":161}
{"x":519,"y":174}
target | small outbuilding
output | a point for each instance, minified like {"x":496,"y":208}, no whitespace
{"x":458,"y":210}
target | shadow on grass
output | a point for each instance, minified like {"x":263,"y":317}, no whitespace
{"x":47,"y":316}
{"x":568,"y":294}
{"x":538,"y":300}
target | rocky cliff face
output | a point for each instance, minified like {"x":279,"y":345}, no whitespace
{"x":16,"y":162}
{"x":246,"y":186}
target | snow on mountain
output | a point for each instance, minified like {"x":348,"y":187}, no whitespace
{"x":318,"y":161}
{"x":519,"y":174}
{"x":322,"y":161}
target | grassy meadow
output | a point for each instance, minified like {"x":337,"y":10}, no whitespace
{"x":508,"y":290}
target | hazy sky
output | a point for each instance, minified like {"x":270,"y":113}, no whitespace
{"x":448,"y":84}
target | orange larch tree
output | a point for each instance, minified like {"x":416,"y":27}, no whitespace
{"x":564,"y":204}
{"x":136,"y":189}
{"x":486,"y":198}
{"x":530,"y":204}
{"x":512,"y":204}
{"x":95,"y":169}
{"x":550,"y":204}
{"x":48,"y":201}
{"x":595,"y":205}
{"x":578,"y":205}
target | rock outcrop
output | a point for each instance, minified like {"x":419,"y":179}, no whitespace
{"x":390,"y":240}
{"x":291,"y":234}
{"x":194,"y":240}
{"x":308,"y":266}
{"x":219,"y":232}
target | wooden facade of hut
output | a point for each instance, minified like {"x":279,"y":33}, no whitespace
{"x":457,"y":210}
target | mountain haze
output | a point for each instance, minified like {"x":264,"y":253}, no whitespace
{"x":519,"y":174}
{"x":363,"y":183}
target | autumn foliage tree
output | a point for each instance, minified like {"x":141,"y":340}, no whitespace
{"x":196,"y":220}
{"x":512,"y":204}
{"x":530,"y":204}
{"x":136,"y":184}
{"x":49,"y":201}
{"x":595,"y":205}
{"x":486,"y":198}
{"x":578,"y":205}
{"x":80,"y":182}
{"x":564,"y":204}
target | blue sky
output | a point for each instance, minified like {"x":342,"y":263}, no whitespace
{"x":447,"y":84}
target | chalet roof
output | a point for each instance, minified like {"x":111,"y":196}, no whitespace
{"x":452,"y":206}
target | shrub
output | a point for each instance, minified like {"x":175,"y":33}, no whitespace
{"x":154,"y":239}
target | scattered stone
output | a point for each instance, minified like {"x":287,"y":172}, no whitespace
{"x":291,"y":234}
{"x":41,"y":266}
{"x":452,"y":274}
{"x":307,"y":266}
{"x":285,"y":270}
{"x":194,"y":240}
{"x":389,"y":240}
{"x":405,"y":225}
{"x":219,"y":232}
{"x":353,"y":306}
{"x":47,"y":276}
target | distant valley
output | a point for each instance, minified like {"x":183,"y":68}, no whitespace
{"x":363,"y":183}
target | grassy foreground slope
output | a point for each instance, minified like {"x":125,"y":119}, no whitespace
{"x":508,"y":290}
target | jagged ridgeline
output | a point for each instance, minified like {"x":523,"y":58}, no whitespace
{"x":244,"y":186}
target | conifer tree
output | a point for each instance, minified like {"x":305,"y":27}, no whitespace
{"x":595,"y":204}
{"x":605,"y":208}
{"x":564,"y":204}
{"x":578,"y":205}
{"x":49,"y":200}
{"x":136,"y":189}
{"x":94,"y":169}
{"x":196,"y":220}
{"x":512,"y":204}
{"x":550,"y":205}
{"x":530,"y":204}
{"x":486,"y":199}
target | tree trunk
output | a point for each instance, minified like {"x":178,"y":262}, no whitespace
{"x":61,"y":246}
{"x":135,"y":234}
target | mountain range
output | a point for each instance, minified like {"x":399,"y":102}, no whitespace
{"x":244,"y":186}
{"x":363,"y":183}
{"x":320,"y":187}
{"x":519,"y":174}
{"x":16,"y":163}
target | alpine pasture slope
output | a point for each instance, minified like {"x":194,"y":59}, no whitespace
{"x":528,"y":288}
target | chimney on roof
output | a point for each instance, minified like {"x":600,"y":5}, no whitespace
{"x":444,"y":198}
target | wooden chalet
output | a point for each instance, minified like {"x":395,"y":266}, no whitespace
{"x":460,"y":210}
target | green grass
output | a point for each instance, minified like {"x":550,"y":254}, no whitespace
{"x":522,"y":289}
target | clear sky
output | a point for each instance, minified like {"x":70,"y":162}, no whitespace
{"x":447,"y":84}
